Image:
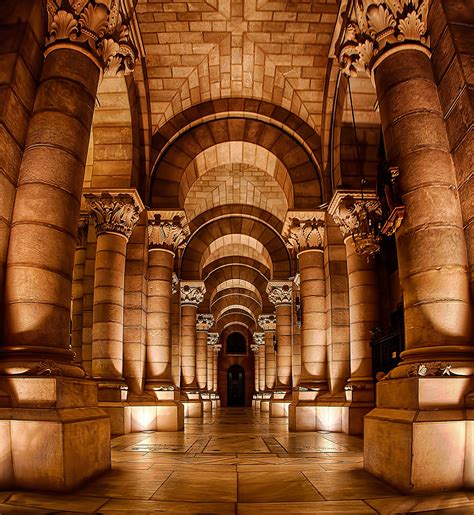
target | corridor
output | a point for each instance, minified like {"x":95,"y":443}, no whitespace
{"x":236,"y":461}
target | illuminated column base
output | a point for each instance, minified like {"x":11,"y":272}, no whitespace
{"x":53,"y":437}
{"x":279,"y":404}
{"x":265,"y":402}
{"x":419,"y":436}
{"x":206,"y":402}
{"x":193,"y":405}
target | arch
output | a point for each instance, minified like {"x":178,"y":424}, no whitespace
{"x":235,"y":343}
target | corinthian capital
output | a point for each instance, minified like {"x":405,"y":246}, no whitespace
{"x":116,"y":213}
{"x":82,"y":230}
{"x":166,"y":229}
{"x":304,"y":230}
{"x":95,"y":26}
{"x":204,"y":322}
{"x":259,"y":338}
{"x":212,"y":339}
{"x":267,"y":322}
{"x":192,"y":292}
{"x":378,"y":23}
{"x":279,"y":292}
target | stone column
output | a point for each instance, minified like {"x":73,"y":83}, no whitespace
{"x":192,"y":294}
{"x":212,"y":339}
{"x":347,"y":208}
{"x":115,"y":216}
{"x":217,"y":348}
{"x":268,"y":324}
{"x":166,"y":231}
{"x":390,"y":41}
{"x":203,"y":323}
{"x":256,"y":371}
{"x":40,"y":258}
{"x":305,"y":233}
{"x":259,"y":339}
{"x":78,"y":288}
{"x":280,"y":294}
{"x":175,"y":331}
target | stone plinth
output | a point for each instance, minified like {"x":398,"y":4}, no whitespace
{"x":308,"y":412}
{"x":279,"y":404}
{"x":193,"y":406}
{"x":53,"y":435}
{"x":419,"y":436}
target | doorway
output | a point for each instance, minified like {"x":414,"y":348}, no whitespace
{"x":235,"y":386}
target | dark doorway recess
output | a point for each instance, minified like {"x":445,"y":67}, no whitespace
{"x":235,"y":386}
{"x":236,"y":344}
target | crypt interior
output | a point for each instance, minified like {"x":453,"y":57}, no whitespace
{"x":237,"y":261}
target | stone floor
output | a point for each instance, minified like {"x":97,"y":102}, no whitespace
{"x":236,"y":461}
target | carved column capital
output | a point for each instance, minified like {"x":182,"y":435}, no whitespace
{"x":279,"y":292}
{"x":259,"y":338}
{"x":217,"y":348}
{"x":192,"y":292}
{"x":254,"y":347}
{"x":95,"y":27}
{"x":358,"y":216}
{"x":204,"y":322}
{"x":82,"y":230}
{"x":267,"y":322}
{"x":304,"y":230}
{"x":114,"y":212}
{"x":379,"y":25}
{"x":212,"y":339}
{"x":166,"y":230}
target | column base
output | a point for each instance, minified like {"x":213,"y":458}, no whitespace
{"x":279,"y":404}
{"x":53,"y":437}
{"x":206,"y":402}
{"x":419,"y":437}
{"x":265,"y":402}
{"x":193,"y":406}
{"x":307,"y":413}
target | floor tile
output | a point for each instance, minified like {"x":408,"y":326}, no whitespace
{"x":459,"y":502}
{"x":190,"y":486}
{"x":286,"y":486}
{"x":57,"y":502}
{"x":296,"y":508}
{"x":354,"y":484}
{"x":120,"y":506}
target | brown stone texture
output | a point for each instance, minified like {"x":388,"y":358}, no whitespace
{"x":269,"y":361}
{"x":188,"y":346}
{"x":283,"y":354}
{"x":201,"y":360}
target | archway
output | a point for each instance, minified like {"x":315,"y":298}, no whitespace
{"x":235,"y":386}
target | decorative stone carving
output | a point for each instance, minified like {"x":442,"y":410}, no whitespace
{"x":192,"y":292}
{"x":254,"y":347}
{"x":82,"y":229}
{"x":174,"y":283}
{"x":259,"y":338}
{"x":378,"y":23}
{"x":96,"y":26}
{"x":306,"y":234}
{"x":167,"y":230}
{"x":267,"y":322}
{"x":434,"y":368}
{"x":359,"y":216}
{"x":116,"y":213}
{"x":217,"y":348}
{"x":212,"y":339}
{"x":279,"y":292}
{"x":204,"y":322}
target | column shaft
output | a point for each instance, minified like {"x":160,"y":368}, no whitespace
{"x":44,"y":224}
{"x":430,"y":243}
{"x":283,"y":355}
{"x":216,"y":371}
{"x":107,"y":331}
{"x":201,"y":359}
{"x":188,"y":346}
{"x":210,"y":368}
{"x":158,"y":333}
{"x":313,"y":330}
{"x":77,"y":304}
{"x":261,"y":368}
{"x":256,"y":371}
{"x":363,"y":309}
{"x":269,"y":361}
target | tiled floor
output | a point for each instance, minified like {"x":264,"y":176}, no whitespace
{"x":240,"y":462}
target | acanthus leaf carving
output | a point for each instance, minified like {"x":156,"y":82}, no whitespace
{"x":174,"y":283}
{"x":379,"y":24}
{"x":117,"y":213}
{"x":97,"y":26}
{"x":212,"y":339}
{"x":267,"y":322}
{"x":279,"y":292}
{"x":204,"y":321}
{"x":167,"y":230}
{"x":192,"y":292}
{"x":259,"y":338}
